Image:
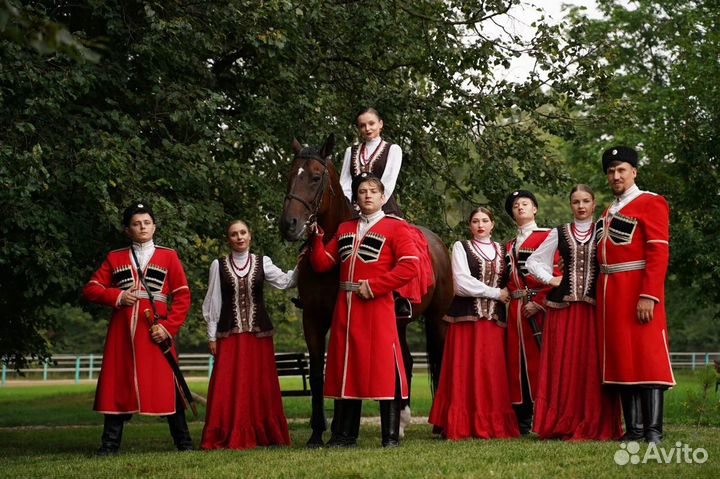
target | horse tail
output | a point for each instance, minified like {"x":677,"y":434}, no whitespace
{"x":434,"y":342}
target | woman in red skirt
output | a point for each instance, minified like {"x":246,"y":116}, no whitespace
{"x":571,"y":402}
{"x":245,"y":407}
{"x":473,"y":397}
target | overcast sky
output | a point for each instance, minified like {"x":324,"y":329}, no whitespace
{"x":520,"y":19}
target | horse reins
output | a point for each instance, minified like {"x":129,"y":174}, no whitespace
{"x":315,"y":206}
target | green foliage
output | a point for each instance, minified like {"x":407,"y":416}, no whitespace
{"x":24,"y":26}
{"x":701,"y":403}
{"x":648,"y":73}
{"x":192,"y":108}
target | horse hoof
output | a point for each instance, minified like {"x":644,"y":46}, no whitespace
{"x":405,"y":416}
{"x":315,"y":441}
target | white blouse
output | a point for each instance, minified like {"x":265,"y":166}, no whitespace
{"x":390,"y":174}
{"x":213,"y":299}
{"x":465,"y":283}
{"x":540,"y":262}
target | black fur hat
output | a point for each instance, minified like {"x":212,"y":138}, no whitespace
{"x":510,"y":200}
{"x":135,"y":209}
{"x":619,"y":153}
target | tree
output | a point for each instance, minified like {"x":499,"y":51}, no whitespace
{"x":648,"y":78}
{"x":192,"y":108}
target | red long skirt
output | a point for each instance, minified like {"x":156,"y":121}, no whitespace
{"x":473,"y":397}
{"x":244,"y":407}
{"x":571,"y":403}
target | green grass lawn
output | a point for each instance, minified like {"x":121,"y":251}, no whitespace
{"x":51,"y":431}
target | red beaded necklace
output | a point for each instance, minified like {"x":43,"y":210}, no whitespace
{"x":363,"y":156}
{"x":581,"y":236}
{"x":476,"y":245}
{"x":240,"y":269}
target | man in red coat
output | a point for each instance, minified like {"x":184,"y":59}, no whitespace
{"x":135,"y":376}
{"x":633,"y":253}
{"x":526,"y":312}
{"x":377,"y":255}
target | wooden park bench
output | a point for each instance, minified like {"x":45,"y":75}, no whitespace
{"x":294,"y":364}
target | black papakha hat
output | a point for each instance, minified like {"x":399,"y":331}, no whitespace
{"x":510,"y":200}
{"x":136,"y":209}
{"x":362,"y":177}
{"x":619,"y":153}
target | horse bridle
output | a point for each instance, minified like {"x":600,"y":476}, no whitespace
{"x":315,"y":206}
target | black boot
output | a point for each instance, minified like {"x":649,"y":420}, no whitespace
{"x":112,"y":434}
{"x":632,"y":411}
{"x":403,"y":308}
{"x":178,"y":426}
{"x":652,"y":411}
{"x":524,"y":410}
{"x":523,"y":413}
{"x":390,"y":422}
{"x":346,"y":423}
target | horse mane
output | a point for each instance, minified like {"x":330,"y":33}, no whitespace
{"x":309,"y":152}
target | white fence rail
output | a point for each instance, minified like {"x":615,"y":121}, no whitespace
{"x":87,"y":366}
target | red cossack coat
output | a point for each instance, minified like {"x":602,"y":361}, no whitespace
{"x":520,"y":339}
{"x":634,"y":353}
{"x":135,"y":376}
{"x":364,"y":354}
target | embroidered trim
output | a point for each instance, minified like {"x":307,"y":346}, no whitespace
{"x":357,"y":163}
{"x":599,"y":230}
{"x":621,"y":229}
{"x":522,"y":256}
{"x":370,"y":247}
{"x":581,"y":269}
{"x":123,"y":277}
{"x":155,"y":277}
{"x":345,"y":246}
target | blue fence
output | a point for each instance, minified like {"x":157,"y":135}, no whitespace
{"x":87,"y":366}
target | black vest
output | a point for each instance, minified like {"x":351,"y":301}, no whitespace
{"x":579,"y":270}
{"x":377,"y":167}
{"x":492,"y":273}
{"x":243,"y":303}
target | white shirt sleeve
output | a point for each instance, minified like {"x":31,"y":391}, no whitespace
{"x":213,"y":301}
{"x":275,"y":276}
{"x":540,"y":262}
{"x":392,"y":170}
{"x":345,"y":176}
{"x":465,"y":284}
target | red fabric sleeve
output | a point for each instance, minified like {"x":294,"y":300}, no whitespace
{"x":406,"y":265}
{"x":98,"y":289}
{"x":180,"y":292}
{"x":656,"y":228}
{"x":323,"y":257}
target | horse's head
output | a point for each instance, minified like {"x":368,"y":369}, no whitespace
{"x":309,"y":180}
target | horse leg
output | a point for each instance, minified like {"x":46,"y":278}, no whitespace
{"x":315,"y":339}
{"x":405,"y":414}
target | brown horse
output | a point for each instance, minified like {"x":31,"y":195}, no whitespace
{"x":314,"y":194}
